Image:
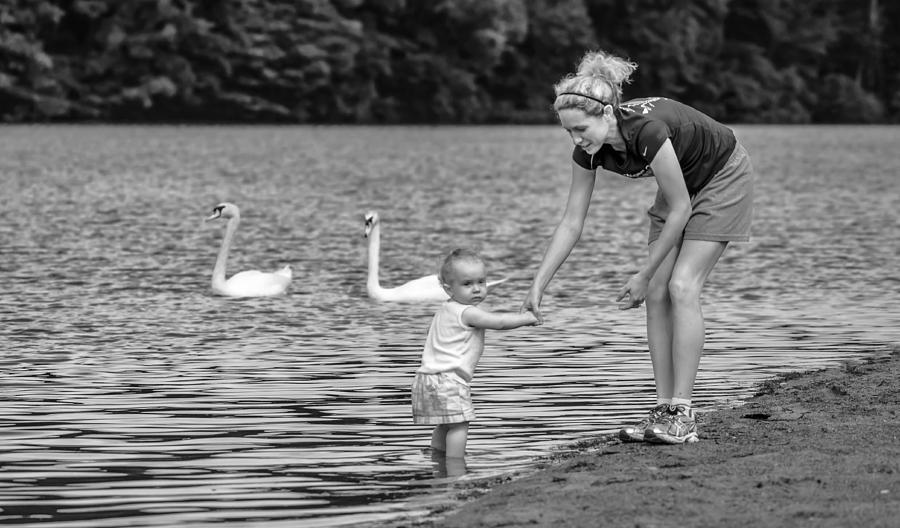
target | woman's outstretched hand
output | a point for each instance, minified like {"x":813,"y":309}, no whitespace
{"x":533,"y":304}
{"x":635,"y":290}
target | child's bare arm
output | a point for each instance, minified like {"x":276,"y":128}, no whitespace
{"x":479,"y":318}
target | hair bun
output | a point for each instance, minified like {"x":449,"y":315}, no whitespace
{"x":612,"y":69}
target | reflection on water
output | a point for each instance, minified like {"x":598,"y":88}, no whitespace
{"x":130,"y":395}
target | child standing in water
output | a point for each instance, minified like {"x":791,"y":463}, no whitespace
{"x":455,"y":342}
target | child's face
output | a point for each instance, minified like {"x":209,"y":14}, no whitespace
{"x":467,"y":282}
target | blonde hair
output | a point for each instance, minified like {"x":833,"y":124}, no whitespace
{"x":597,"y":83}
{"x":457,"y":255}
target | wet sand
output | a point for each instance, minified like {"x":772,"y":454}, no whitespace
{"x":810,"y":449}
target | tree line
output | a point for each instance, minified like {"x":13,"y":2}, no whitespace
{"x":439,"y":61}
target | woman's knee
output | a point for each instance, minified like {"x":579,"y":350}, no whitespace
{"x":683,"y":290}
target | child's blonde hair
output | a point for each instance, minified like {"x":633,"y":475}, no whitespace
{"x":457,"y":255}
{"x":597,"y":83}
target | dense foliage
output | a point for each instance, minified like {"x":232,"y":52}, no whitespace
{"x":442,"y":61}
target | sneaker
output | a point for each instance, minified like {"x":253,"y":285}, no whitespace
{"x":635,"y":433}
{"x":676,"y":427}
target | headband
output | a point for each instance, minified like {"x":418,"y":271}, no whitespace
{"x":591,"y":97}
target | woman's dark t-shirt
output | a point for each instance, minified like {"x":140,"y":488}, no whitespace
{"x":702,"y":144}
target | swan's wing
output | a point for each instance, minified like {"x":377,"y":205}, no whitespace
{"x":427,"y":288}
{"x":255,"y":283}
{"x":423,"y":289}
{"x":493,"y":284}
{"x":286,"y":272}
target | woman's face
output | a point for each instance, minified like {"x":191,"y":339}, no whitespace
{"x":587,"y":131}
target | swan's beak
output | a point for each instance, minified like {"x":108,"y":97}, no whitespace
{"x":217,"y":213}
{"x":368,"y":227}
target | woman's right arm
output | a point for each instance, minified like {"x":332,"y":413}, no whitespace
{"x":564,"y":237}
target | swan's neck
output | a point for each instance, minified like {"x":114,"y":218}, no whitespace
{"x":374,"y":247}
{"x":218,"y":276}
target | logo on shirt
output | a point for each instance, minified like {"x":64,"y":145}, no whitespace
{"x":647,"y":172}
{"x":644,"y":106}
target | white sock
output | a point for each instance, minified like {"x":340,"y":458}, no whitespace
{"x":686,"y":402}
{"x":663,"y":401}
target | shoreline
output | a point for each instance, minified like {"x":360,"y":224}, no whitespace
{"x":810,"y":448}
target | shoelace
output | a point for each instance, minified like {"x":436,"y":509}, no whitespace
{"x":679,"y":410}
{"x":660,"y":410}
{"x":673,"y":414}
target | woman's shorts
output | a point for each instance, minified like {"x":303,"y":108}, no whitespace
{"x":722,"y":210}
{"x":441,"y":399}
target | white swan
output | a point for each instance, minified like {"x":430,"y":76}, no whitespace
{"x":251,"y":283}
{"x":423,"y":289}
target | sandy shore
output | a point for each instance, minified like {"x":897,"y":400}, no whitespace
{"x":812,"y":449}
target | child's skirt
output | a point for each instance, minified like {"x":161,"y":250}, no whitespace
{"x":441,"y":399}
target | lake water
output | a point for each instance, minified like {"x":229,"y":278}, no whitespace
{"x":131,"y":396}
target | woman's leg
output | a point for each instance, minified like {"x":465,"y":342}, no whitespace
{"x":692,"y":267}
{"x":659,"y":326}
{"x":457,"y":434}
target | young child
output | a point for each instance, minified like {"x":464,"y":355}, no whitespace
{"x":440,"y":390}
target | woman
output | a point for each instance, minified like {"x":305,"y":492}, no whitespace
{"x":704,"y":200}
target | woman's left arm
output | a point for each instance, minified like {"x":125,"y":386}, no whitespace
{"x":671,"y":183}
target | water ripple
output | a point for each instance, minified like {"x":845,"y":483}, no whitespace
{"x":131,"y":396}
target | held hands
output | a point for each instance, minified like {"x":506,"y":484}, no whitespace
{"x":532,"y":304}
{"x":635,"y":290}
